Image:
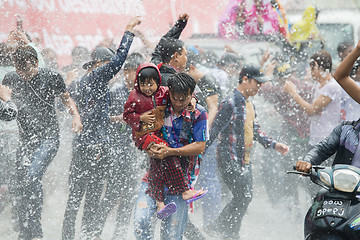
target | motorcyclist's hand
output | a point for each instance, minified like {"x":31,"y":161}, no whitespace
{"x":303,"y":166}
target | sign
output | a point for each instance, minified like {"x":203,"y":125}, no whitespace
{"x":63,"y":24}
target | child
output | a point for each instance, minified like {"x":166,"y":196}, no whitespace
{"x":144,"y":112}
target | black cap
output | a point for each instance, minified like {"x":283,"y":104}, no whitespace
{"x":254,"y":71}
{"x":101,"y":54}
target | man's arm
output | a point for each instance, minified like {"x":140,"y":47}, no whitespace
{"x":70,"y":104}
{"x":268,"y":141}
{"x":310,"y":108}
{"x":174,"y":32}
{"x":221,"y":121}
{"x":326,"y":148}
{"x":107,"y":71}
{"x":192,"y":149}
{"x":322,"y":151}
{"x":341,"y":74}
{"x":212,"y":103}
{"x":262,"y":138}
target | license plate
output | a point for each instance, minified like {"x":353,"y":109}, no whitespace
{"x":335,"y":208}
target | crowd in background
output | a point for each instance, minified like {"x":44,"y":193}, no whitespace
{"x":306,"y":99}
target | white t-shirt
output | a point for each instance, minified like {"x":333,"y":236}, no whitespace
{"x":350,"y":109}
{"x":322,"y":124}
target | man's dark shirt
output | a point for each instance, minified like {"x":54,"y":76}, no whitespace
{"x":35,"y":100}
{"x":208,"y":87}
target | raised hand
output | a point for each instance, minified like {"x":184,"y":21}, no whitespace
{"x":289,"y":88}
{"x":183,"y":17}
{"x":281,"y":148}
{"x":132,"y":23}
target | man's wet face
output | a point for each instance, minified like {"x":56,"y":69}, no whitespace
{"x":180,"y":101}
{"x":26,"y":69}
{"x":254,"y":86}
{"x":182,"y":59}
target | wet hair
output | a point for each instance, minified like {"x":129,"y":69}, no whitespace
{"x":181,"y":83}
{"x":343,"y":46}
{"x":148,"y":73}
{"x":323,"y":59}
{"x":192,"y":59}
{"x":80,"y":54}
{"x":209,"y":59}
{"x":133,"y":61}
{"x":23,"y":55}
{"x":168,"y":47}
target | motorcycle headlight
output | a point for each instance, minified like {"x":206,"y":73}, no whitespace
{"x":325,"y":178}
{"x":345,"y":180}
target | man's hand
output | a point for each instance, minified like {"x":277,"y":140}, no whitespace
{"x":269,"y":71}
{"x":132,"y":23}
{"x":5,"y":93}
{"x":70,"y":104}
{"x":17,"y":38}
{"x":148,"y":117}
{"x":159,"y":151}
{"x":76,"y":124}
{"x":303,"y":166}
{"x":192,"y":106}
{"x":289,"y":88}
{"x":281,"y":148}
{"x":117,"y":119}
{"x":183,"y":17}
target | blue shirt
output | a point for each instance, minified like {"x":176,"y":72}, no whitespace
{"x":186,"y":128}
{"x":92,"y":97}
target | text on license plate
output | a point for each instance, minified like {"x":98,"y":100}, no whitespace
{"x":335,"y":208}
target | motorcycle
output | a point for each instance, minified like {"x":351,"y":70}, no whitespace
{"x":335,"y":211}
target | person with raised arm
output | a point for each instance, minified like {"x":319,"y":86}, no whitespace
{"x":91,"y":158}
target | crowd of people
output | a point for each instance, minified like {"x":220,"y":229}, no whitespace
{"x":186,"y":111}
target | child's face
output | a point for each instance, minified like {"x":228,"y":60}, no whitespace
{"x":148,"y":87}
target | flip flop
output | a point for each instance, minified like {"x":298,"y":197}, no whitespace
{"x":196,"y":196}
{"x":167,"y":211}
